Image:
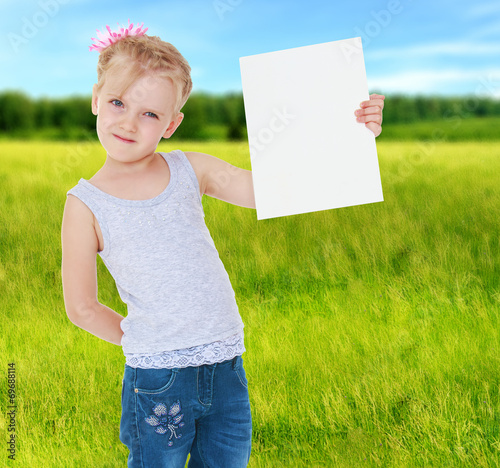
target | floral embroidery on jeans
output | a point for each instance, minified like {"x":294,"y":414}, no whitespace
{"x":165,"y":421}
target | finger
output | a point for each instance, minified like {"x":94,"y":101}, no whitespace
{"x":377,"y":96}
{"x":376,"y":129}
{"x":374,"y":102}
{"x":369,"y":111}
{"x":376,"y":118}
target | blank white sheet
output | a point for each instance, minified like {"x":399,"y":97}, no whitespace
{"x":308,"y":152}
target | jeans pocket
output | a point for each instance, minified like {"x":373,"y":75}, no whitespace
{"x":159,"y":415}
{"x":240,"y":371}
{"x":153,"y":381}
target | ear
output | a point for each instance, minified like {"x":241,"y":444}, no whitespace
{"x":95,"y":106}
{"x":173,"y":125}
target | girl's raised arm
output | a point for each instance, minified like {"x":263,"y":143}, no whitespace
{"x":221,"y":180}
{"x":79,"y":274}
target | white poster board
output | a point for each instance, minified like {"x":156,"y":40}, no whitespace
{"x":308,"y":152}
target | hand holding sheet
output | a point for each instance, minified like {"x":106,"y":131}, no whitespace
{"x":307,"y":150}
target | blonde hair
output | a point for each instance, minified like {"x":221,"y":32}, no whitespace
{"x":133,"y":57}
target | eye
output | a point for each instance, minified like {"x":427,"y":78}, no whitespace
{"x":151,"y":114}
{"x":117,"y":102}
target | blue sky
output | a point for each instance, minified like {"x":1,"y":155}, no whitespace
{"x":410,"y":46}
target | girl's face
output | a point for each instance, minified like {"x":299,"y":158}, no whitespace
{"x":131,"y":125}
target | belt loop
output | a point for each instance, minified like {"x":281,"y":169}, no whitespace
{"x":235,"y":361}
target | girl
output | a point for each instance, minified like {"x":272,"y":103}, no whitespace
{"x":184,"y":387}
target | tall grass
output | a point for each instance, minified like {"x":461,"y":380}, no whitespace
{"x":372,"y":332}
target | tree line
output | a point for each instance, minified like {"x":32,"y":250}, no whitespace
{"x":20,"y":113}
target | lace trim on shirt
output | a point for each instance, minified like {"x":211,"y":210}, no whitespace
{"x":212,"y":353}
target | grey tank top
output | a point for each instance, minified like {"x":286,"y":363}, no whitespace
{"x":165,"y":264}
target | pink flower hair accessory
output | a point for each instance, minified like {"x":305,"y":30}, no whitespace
{"x":106,"y":39}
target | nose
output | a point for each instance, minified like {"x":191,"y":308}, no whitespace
{"x":128,"y":123}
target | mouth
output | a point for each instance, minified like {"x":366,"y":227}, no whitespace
{"x":124,"y":140}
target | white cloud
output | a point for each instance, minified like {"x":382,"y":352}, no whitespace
{"x":485,"y":9}
{"x":455,"y":48}
{"x":480,"y":82}
{"x":487,"y":29}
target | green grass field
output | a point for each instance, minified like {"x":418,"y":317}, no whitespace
{"x":372,"y":332}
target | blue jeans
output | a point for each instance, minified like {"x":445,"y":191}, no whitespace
{"x":169,"y":413}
